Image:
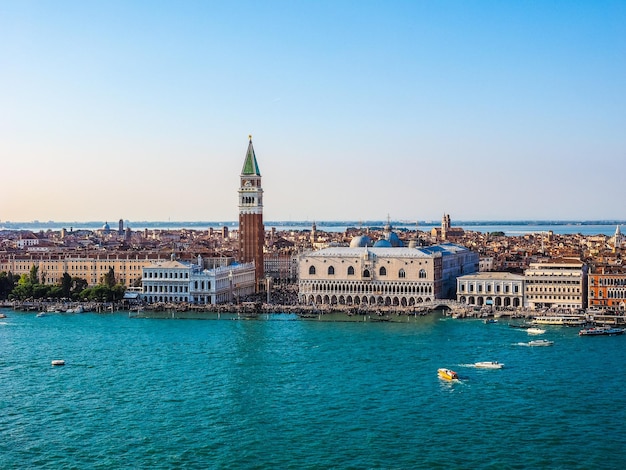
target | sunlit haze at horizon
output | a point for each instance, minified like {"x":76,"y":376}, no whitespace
{"x":358,"y":110}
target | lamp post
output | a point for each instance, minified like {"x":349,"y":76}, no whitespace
{"x":230,"y":281}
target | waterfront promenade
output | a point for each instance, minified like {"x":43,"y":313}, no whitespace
{"x":262,"y":310}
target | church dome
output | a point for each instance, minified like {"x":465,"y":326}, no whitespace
{"x":382,"y":244}
{"x":360,"y":241}
{"x":393,"y":239}
{"x":106,"y":227}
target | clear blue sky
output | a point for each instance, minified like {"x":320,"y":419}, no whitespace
{"x":141,"y":110}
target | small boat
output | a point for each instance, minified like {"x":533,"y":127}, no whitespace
{"x":535,"y":331}
{"x":42,"y":314}
{"x":601,"y":331}
{"x":2,"y":315}
{"x":489,"y":365}
{"x":447,"y":374}
{"x":540,"y":342}
{"x":58,"y":362}
{"x":491,"y":320}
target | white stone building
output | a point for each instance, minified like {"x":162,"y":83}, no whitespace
{"x":381,"y":275}
{"x":178,"y":281}
{"x":557,"y":284}
{"x":498,"y":289}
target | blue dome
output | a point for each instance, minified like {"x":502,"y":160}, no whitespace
{"x":382,"y":244}
{"x":393,"y":239}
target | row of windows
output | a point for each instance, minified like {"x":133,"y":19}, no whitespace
{"x":547,"y":281}
{"x":611,"y":294}
{"x":553,"y":297}
{"x":366,"y":273}
{"x":609,"y":281}
{"x":479,"y":288}
{"x":370,"y":288}
{"x":202,"y":284}
{"x":554,"y":289}
{"x":166,"y":289}
{"x":168,"y":275}
{"x":165,"y":298}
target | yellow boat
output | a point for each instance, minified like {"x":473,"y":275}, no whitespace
{"x":447,"y":374}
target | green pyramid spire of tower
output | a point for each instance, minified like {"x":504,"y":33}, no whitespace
{"x":250,"y":166}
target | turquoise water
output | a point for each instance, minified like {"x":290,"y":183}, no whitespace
{"x":288,"y":393}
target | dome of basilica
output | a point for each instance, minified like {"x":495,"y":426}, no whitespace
{"x":393,"y":239}
{"x":382,"y":244}
{"x":360,"y":241}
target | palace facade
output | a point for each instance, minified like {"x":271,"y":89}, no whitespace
{"x":381,"y":275}
{"x":607,"y":288}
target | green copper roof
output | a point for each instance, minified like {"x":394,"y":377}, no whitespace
{"x":250,"y":166}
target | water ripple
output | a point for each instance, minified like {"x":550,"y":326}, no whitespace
{"x":303,"y":394}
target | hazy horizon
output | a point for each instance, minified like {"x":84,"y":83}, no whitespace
{"x":114,"y":223}
{"x":483,"y":110}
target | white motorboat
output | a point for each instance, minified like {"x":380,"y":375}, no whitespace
{"x":535,"y":331}
{"x":540,"y":342}
{"x":58,"y":362}
{"x":489,"y":365}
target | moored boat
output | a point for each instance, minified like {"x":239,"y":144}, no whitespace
{"x":447,"y":374}
{"x":535,"y":331}
{"x":561,"y":320}
{"x":489,"y":365}
{"x":601,"y":331}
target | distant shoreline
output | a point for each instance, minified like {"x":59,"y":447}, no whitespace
{"x":300,"y":225}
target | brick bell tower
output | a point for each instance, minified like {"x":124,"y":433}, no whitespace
{"x":251,"y":229}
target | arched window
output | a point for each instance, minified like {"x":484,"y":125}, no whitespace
{"x":312,"y":270}
{"x":366,"y":273}
{"x":350,"y":271}
{"x":382,"y":271}
{"x":401,"y":274}
{"x":331,"y":270}
{"x":422,"y":274}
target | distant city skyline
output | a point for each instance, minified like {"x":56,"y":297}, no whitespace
{"x":358,"y":110}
